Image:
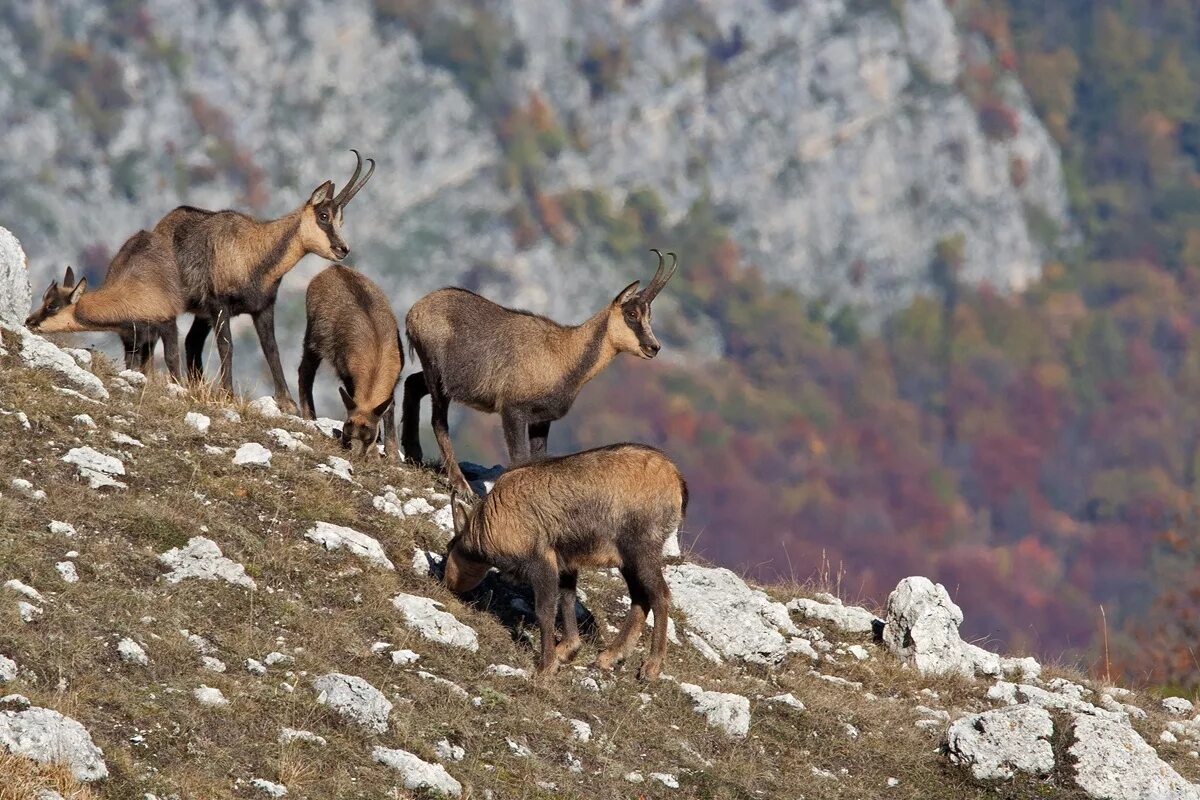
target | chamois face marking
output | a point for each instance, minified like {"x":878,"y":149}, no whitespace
{"x":52,"y":316}
{"x":321,"y":225}
{"x":629,"y":324}
{"x":463,"y":572}
{"x":360,"y":431}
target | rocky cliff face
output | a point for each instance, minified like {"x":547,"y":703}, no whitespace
{"x":830,"y":136}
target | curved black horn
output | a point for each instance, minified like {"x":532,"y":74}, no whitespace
{"x":661,"y":276}
{"x":361,"y":183}
{"x":353,"y":185}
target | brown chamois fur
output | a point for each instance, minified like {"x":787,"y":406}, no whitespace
{"x":351,"y":325}
{"x":525,"y":367}
{"x":609,"y":507}
{"x":232,"y":264}
{"x":140,"y":300}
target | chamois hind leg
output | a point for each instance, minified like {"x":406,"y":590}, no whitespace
{"x":147,"y":338}
{"x":310,"y":361}
{"x":170,"y":339}
{"x":193,"y":345}
{"x":129,"y":346}
{"x":650,"y":574}
{"x":410,"y":417}
{"x":570,"y":643}
{"x":631,"y":630}
{"x":264,"y":325}
{"x":538,"y":433}
{"x":544,"y":576}
{"x":516,"y":435}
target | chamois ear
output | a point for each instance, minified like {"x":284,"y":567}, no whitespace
{"x":69,"y":278}
{"x":626,"y":293}
{"x":79,"y":289}
{"x":460,"y":508}
{"x":382,"y":407}
{"x":322,"y":193}
{"x":347,"y":400}
{"x":51,"y":291}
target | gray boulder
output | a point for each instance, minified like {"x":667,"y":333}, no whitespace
{"x":48,"y":737}
{"x":1111,"y":761}
{"x":355,"y":700}
{"x":15,"y":297}
{"x":996,"y":744}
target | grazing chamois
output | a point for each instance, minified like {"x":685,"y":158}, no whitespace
{"x":525,"y":367}
{"x":140,"y":300}
{"x":609,"y":507}
{"x":232,"y":264}
{"x":351,"y":325}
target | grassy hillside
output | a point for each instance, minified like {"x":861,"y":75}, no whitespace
{"x":324,"y":612}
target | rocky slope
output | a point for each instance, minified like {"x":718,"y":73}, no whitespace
{"x":833,"y":137}
{"x":204,"y":600}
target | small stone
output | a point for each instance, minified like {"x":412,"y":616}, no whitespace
{"x":338,"y":537}
{"x":404,"y":657}
{"x":416,"y":773}
{"x":84,"y":420}
{"x":667,"y":780}
{"x":788,"y":699}
{"x":28,"y":612}
{"x":1178,"y":706}
{"x":132,"y":653}
{"x":209,"y":696}
{"x":212,"y":664}
{"x":252,"y":454}
{"x":265,"y":407}
{"x":99,"y":469}
{"x":268,"y":788}
{"x":289,"y":735}
{"x":505,"y":671}
{"x":634,"y":777}
{"x":24,"y":487}
{"x":426,"y":617}
{"x":255,"y":667}
{"x":61,"y":528}
{"x":724,"y":711}
{"x":124,"y":439}
{"x":449,"y":752}
{"x":355,"y":700}
{"x":66,"y":570}
{"x":202,"y":559}
{"x":8,"y":670}
{"x":197,"y":422}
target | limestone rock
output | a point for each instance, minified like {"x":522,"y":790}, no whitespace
{"x":202,"y":559}
{"x":416,"y":773}
{"x":849,"y":619}
{"x":48,"y":737}
{"x":39,"y":353}
{"x":132,"y":653}
{"x":15,"y":296}
{"x":995,"y":744}
{"x":99,"y":469}
{"x":427,"y":618}
{"x":252,"y":454}
{"x":338,"y":537}
{"x":1111,"y":761}
{"x":355,"y":700}
{"x":727,"y":712}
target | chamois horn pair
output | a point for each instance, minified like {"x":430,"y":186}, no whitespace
{"x":354,"y":184}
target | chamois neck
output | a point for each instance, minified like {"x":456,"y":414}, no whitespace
{"x":276,"y":248}
{"x":590,"y":351}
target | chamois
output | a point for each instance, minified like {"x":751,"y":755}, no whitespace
{"x":525,"y":367}
{"x":351,"y":324}
{"x":609,"y":507}
{"x":232,"y":264}
{"x":140,"y":300}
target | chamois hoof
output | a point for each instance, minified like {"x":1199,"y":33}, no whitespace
{"x":286,"y":405}
{"x":607,"y":660}
{"x":566,"y":651}
{"x":650,"y":671}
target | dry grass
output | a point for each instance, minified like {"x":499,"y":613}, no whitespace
{"x":22,"y":779}
{"x":327,"y":609}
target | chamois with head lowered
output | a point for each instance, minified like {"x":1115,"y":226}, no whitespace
{"x":613,"y":506}
{"x":525,"y":367}
{"x":351,"y":325}
{"x":140,"y":300}
{"x":232,"y":264}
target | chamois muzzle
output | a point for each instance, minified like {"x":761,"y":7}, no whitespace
{"x":354,"y":184}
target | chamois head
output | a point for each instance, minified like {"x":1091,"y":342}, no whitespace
{"x":55,"y":311}
{"x":629,"y":314}
{"x":360,"y":431}
{"x":463,"y":571}
{"x":321,"y":217}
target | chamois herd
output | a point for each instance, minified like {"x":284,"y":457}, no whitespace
{"x":545,"y":518}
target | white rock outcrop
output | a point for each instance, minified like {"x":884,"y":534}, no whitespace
{"x":355,"y":700}
{"x":1111,"y":761}
{"x":210,"y":696}
{"x":99,"y":469}
{"x":8,"y":669}
{"x":427,"y":618}
{"x":723,"y":710}
{"x":1178,"y":706}
{"x":338,"y":537}
{"x":132,"y":653}
{"x":201,"y":559}
{"x":198,"y":422}
{"x":996,"y":744}
{"x":38,"y":353}
{"x":416,"y":773}
{"x":827,"y":608}
{"x":15,"y":295}
{"x":922,"y":630}
{"x":48,"y":737}
{"x":738,"y":622}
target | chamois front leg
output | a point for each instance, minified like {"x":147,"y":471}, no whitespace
{"x":544,"y":577}
{"x":221,"y":320}
{"x":569,"y":646}
{"x":264,"y":325}
{"x":539,"y":432}
{"x":170,"y":339}
{"x":391,"y":451}
{"x":441,"y":432}
{"x":516,"y":435}
{"x":193,"y":345}
{"x":309,"y":363}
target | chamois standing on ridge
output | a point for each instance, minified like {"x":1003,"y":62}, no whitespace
{"x":232,"y":264}
{"x":613,"y":506}
{"x":140,"y":300}
{"x":351,"y":325}
{"x":525,"y":367}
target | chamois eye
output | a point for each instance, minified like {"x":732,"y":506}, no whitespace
{"x":324,"y":216}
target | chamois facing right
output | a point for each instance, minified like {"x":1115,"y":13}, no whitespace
{"x":609,"y":507}
{"x":351,"y":325}
{"x":525,"y":367}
